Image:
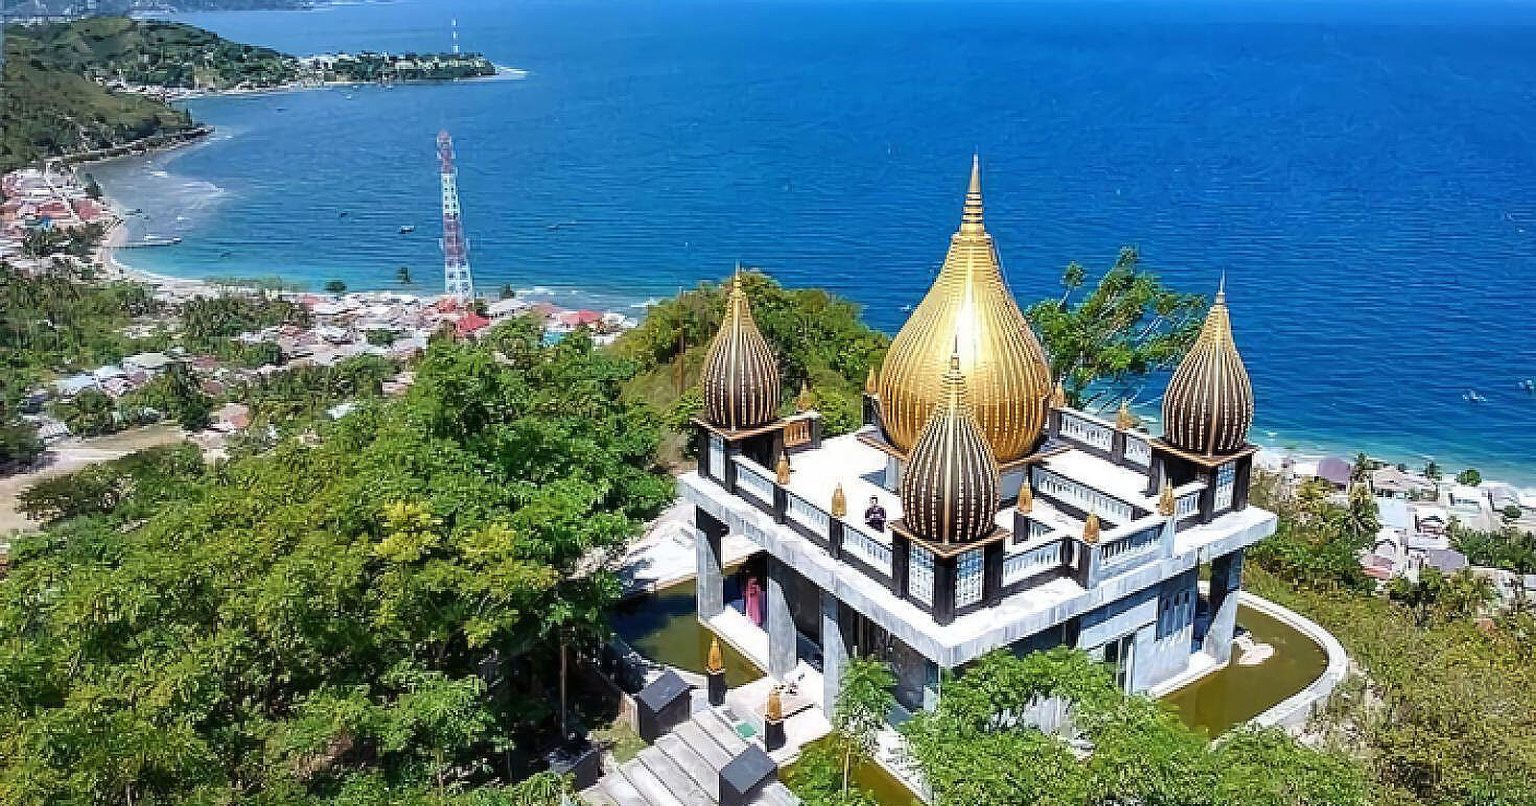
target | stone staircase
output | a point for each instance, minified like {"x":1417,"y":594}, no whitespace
{"x":682,"y":769}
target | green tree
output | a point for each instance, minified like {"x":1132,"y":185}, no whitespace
{"x":1470,"y":477}
{"x":335,"y":287}
{"x":1432,"y":470}
{"x":863,"y":704}
{"x":1128,"y":326}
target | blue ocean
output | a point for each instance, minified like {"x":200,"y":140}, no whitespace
{"x":1363,"y":172}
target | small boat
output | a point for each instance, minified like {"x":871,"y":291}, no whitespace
{"x":1528,"y":385}
{"x":407,"y":229}
{"x":344,"y":214}
{"x":1472,"y":396}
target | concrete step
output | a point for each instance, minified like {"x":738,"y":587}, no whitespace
{"x":700,"y":742}
{"x":675,"y":778}
{"x":776,"y":794}
{"x":723,"y":732}
{"x":654,"y":789}
{"x":685,"y":757}
{"x":620,"y":790}
{"x":596,"y":797}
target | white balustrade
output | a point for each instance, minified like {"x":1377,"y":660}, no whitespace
{"x":1138,"y":451}
{"x":1188,"y":505}
{"x":808,"y":515}
{"x":1030,"y":562}
{"x":753,"y":478}
{"x":874,"y":552}
{"x":1082,"y":497}
{"x":1074,"y":427}
{"x":1132,"y":544}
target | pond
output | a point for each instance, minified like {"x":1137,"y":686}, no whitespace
{"x":1224,"y":699}
{"x":664,"y":627}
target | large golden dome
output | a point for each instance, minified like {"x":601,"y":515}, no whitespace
{"x":741,"y":376}
{"x":1208,"y":407}
{"x":968,"y":311}
{"x":949,"y":492}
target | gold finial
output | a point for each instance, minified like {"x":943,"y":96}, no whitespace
{"x":970,"y":217}
{"x":804,"y":401}
{"x":716,"y":662}
{"x":781,"y":469}
{"x":1026,"y":498}
{"x":839,"y":501}
{"x":1124,"y":419}
{"x":1059,"y":396}
{"x":1165,"y":502}
{"x":1091,"y":529}
{"x":871,"y":383}
{"x":774,"y":710}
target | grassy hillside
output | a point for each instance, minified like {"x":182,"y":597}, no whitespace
{"x":54,"y":102}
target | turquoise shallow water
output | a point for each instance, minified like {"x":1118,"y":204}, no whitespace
{"x":1364,"y":172}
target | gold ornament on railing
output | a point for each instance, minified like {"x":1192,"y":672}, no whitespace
{"x":1091,"y":529}
{"x":1026,"y":498}
{"x":1165,"y":503}
{"x":1124,"y":419}
{"x":773,"y":711}
{"x":871,"y":383}
{"x":839,"y":501}
{"x":1059,"y":396}
{"x":781,"y":470}
{"x":716,"y":662}
{"x":803,"y":401}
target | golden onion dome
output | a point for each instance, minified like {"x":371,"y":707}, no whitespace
{"x":970,"y":310}
{"x":949,"y":490}
{"x":741,"y":377}
{"x":1208,"y":407}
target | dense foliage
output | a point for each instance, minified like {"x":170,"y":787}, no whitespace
{"x":153,"y":53}
{"x":1444,"y":711}
{"x":1509,"y":548}
{"x":818,"y":337}
{"x":1127,"y":328}
{"x":371,"y":619}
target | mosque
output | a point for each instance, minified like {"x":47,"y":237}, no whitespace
{"x":975,"y":510}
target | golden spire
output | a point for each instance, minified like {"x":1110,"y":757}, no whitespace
{"x":1026,"y":498}
{"x":773,"y":710}
{"x":871,"y":382}
{"x":949,"y":487}
{"x":1208,"y":407}
{"x":741,"y":376}
{"x":781,"y":469}
{"x":1124,"y":419}
{"x":1165,"y":502}
{"x":1091,"y":529}
{"x":970,"y":311}
{"x":1059,"y":396}
{"x":839,"y":501}
{"x":804,"y":401}
{"x":716,"y":662}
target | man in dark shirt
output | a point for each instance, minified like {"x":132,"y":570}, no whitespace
{"x":875,"y":515}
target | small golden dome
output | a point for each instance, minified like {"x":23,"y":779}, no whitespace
{"x":968,"y":310}
{"x":781,"y":469}
{"x":1165,"y":503}
{"x":1091,"y":529}
{"x":949,"y":488}
{"x":1026,"y":498}
{"x":741,"y":376}
{"x":804,"y":401}
{"x":773,"y":710}
{"x":1208,"y":407}
{"x":1124,"y":419}
{"x":716,"y":662}
{"x":839,"y":501}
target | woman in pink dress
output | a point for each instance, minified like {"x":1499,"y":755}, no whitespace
{"x":754,"y":602}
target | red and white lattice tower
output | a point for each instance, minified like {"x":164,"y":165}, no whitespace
{"x":457,"y":281}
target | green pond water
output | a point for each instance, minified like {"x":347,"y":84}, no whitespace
{"x":1224,"y":699}
{"x":664,"y":627}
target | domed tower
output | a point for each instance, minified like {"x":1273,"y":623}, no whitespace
{"x":949,"y":493}
{"x":741,"y":376}
{"x":968,"y":312}
{"x":1208,"y":407}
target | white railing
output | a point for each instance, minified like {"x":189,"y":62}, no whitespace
{"x":808,"y":515}
{"x":1138,"y":451}
{"x":1074,"y":427}
{"x":970,"y":572}
{"x":1133,"y":543}
{"x":920,"y":574}
{"x":1031,"y":562}
{"x":752,"y":478}
{"x":1188,"y":505}
{"x":875,"y":552}
{"x":1082,"y":497}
